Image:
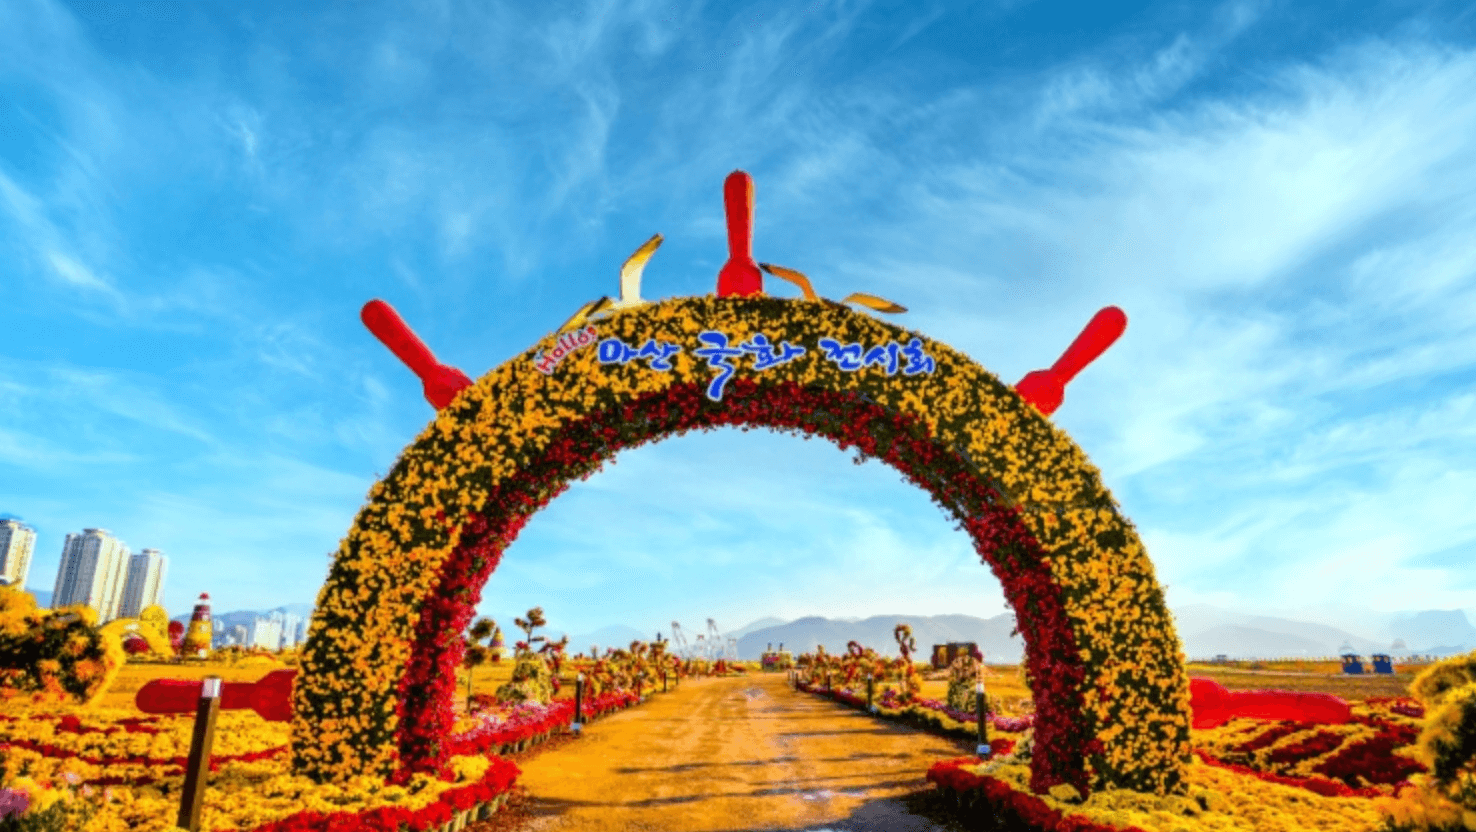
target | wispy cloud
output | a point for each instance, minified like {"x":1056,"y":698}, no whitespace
{"x":41,"y":243}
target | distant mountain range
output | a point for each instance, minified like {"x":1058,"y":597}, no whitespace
{"x":800,"y":636}
{"x":223,"y":621}
{"x":1205,"y":630}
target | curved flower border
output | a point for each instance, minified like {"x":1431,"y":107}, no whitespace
{"x":1106,"y":665}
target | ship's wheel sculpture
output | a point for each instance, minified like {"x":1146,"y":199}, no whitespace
{"x":377,"y":681}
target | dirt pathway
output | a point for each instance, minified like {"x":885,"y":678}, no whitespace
{"x":729,"y":755}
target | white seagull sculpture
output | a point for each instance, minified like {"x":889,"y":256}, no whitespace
{"x":630,"y":287}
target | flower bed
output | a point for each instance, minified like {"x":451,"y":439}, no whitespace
{"x":991,"y":795}
{"x":932,"y":716}
{"x":105,"y":771}
{"x":1248,"y":774}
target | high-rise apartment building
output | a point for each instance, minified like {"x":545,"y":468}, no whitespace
{"x":144,"y":585}
{"x":291,"y":629}
{"x":265,"y":633}
{"x":17,"y":542}
{"x":92,"y":572}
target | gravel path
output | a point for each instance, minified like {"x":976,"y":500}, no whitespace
{"x":728,"y":755}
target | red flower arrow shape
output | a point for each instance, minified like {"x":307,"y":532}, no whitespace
{"x":270,"y":696}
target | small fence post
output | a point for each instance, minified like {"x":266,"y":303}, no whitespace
{"x":197,"y":768}
{"x":983,"y":713}
{"x":578,"y":723}
{"x":869,"y":707}
{"x":663,"y":681}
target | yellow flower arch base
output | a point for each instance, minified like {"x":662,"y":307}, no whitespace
{"x":1105,"y":665}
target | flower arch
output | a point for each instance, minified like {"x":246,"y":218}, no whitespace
{"x":377,"y":674}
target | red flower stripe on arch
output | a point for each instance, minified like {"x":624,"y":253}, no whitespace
{"x":851,"y":421}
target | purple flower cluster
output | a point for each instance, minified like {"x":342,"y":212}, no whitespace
{"x":1004,"y":723}
{"x":13,"y":802}
{"x":517,"y":723}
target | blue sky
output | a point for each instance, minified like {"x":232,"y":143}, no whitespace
{"x":196,"y":200}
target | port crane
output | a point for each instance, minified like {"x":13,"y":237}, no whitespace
{"x":679,"y":641}
{"x":718,"y":645}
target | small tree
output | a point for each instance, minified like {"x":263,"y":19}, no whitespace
{"x":905,"y":642}
{"x":534,"y":620}
{"x":554,"y":650}
{"x":912,"y":686}
{"x":531,"y":677}
{"x":963,"y":677}
{"x":476,"y":653}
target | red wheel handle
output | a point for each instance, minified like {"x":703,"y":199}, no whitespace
{"x":440,"y":382}
{"x":740,"y":276}
{"x":1047,"y":388}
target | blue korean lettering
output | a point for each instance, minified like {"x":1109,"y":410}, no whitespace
{"x":885,"y":356}
{"x":615,"y":351}
{"x":658,"y":354}
{"x":766,"y":355}
{"x":719,"y":357}
{"x":845,"y":356}
{"x":917,"y":360}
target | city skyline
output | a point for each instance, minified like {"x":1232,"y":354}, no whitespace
{"x":197,"y":200}
{"x":100,"y":571}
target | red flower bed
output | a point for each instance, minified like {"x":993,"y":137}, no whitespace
{"x":994,"y":803}
{"x":997,"y":747}
{"x":69,"y":724}
{"x":47,"y":750}
{"x":1269,"y":737}
{"x":1317,"y":785}
{"x":1373,"y":760}
{"x":1403,"y":705}
{"x":498,"y":780}
{"x":1314,"y":746}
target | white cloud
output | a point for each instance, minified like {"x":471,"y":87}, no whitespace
{"x":28,"y":450}
{"x":75,"y":273}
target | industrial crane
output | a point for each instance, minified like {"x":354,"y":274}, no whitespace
{"x":679,"y":641}
{"x":714,"y":641}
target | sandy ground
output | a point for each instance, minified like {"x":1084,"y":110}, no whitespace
{"x":724,"y":755}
